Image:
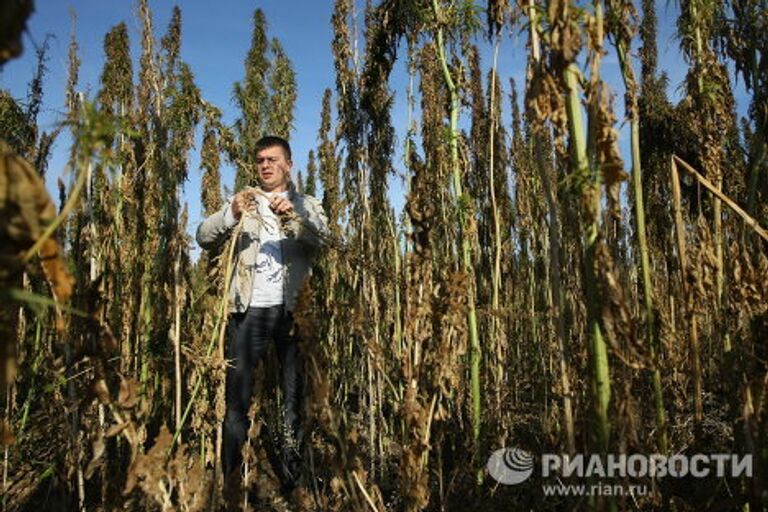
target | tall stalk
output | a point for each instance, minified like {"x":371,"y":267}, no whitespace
{"x":462,"y":201}
{"x":556,"y":281}
{"x":685,"y":286}
{"x":496,"y":268}
{"x":598,"y":353}
{"x":623,"y":31}
{"x":707,"y":86}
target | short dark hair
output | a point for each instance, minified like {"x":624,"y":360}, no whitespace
{"x":270,"y":141}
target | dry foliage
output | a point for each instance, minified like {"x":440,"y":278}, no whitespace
{"x":503,"y":270}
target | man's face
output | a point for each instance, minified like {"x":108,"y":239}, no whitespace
{"x":273,"y":168}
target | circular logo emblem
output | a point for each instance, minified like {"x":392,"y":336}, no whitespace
{"x":510,"y":466}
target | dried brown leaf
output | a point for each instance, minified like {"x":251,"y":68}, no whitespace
{"x":101,"y":391}
{"x":52,"y":261}
{"x":115,"y":429}
{"x":6,"y":434}
{"x":99,"y":446}
{"x":128,"y":396}
{"x":24,"y":202}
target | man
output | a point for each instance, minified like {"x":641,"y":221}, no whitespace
{"x":281,"y":231}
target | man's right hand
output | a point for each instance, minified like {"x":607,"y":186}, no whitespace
{"x":243,"y":201}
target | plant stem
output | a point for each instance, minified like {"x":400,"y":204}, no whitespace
{"x":693,"y":325}
{"x":642,"y":243}
{"x":466,"y":251}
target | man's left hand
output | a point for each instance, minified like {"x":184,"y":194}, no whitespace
{"x":280,"y":205}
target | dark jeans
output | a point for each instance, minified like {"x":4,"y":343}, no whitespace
{"x":250,"y":334}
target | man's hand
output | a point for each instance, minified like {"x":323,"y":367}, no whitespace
{"x":280,"y":205}
{"x":243,"y":201}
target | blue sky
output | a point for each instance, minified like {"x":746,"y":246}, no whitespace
{"x":215,"y":39}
